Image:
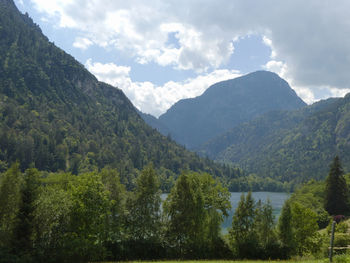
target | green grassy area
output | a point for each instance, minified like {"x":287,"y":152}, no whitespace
{"x":238,"y":261}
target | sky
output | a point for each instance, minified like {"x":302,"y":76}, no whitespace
{"x":161,"y":51}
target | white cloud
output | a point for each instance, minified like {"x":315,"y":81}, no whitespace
{"x":151,"y":98}
{"x":308,"y":38}
{"x":82,"y":43}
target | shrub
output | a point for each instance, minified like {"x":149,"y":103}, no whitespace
{"x":341,"y":240}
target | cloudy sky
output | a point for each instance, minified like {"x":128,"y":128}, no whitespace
{"x":160,"y":51}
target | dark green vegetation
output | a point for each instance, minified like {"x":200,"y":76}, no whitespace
{"x":337,"y":192}
{"x":290,"y":146}
{"x":227,"y":104}
{"x":56,"y":116}
{"x":60,"y":217}
{"x":316,"y":197}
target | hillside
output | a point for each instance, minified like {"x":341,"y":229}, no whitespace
{"x":227,"y":104}
{"x":155,"y":123}
{"x":56,"y":116}
{"x":289,"y":146}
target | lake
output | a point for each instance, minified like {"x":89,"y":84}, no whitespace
{"x":276,"y":200}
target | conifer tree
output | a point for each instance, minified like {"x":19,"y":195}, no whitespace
{"x":243,"y":233}
{"x":337,"y":192}
{"x":285,"y":231}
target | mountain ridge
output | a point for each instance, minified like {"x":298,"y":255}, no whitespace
{"x":226,"y":104}
{"x":56,"y":116}
{"x":289,"y":146}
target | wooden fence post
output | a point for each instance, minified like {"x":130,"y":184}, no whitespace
{"x":332,"y":241}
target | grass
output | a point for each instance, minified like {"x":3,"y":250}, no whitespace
{"x":238,"y":261}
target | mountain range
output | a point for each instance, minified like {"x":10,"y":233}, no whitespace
{"x":56,"y":116}
{"x":258,"y":123}
{"x":292,"y":146}
{"x":226,"y":104}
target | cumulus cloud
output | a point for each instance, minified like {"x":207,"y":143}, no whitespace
{"x":151,"y":98}
{"x":82,"y":43}
{"x":309,"y":39}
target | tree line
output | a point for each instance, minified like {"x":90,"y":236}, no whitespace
{"x":61,"y":217}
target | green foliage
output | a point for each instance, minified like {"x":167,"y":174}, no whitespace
{"x":288,"y":146}
{"x":22,"y":240}
{"x":341,"y":239}
{"x":117,"y":196}
{"x":253,"y":230}
{"x":285,"y":230}
{"x":265,"y":224}
{"x":337,"y":192}
{"x":56,"y":116}
{"x":194,"y":208}
{"x":312,"y":195}
{"x":243,"y":234}
{"x":52,"y":223}
{"x":90,"y":209}
{"x":10,"y":201}
{"x":90,"y":217}
{"x":144,"y":207}
{"x":304,"y":225}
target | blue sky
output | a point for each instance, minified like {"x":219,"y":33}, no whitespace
{"x":159,"y":52}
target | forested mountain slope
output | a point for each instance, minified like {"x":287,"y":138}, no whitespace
{"x":289,"y":145}
{"x":55,"y":115}
{"x":227,"y":104}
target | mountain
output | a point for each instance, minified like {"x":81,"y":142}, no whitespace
{"x":291,"y":146}
{"x":56,"y":116}
{"x":227,"y":104}
{"x":155,"y":123}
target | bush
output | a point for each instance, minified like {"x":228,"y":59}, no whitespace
{"x":341,"y":259}
{"x":341,"y":240}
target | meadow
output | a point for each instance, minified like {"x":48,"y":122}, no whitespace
{"x":240,"y":261}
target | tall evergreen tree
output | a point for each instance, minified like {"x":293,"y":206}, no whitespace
{"x":285,"y":230}
{"x":23,"y":232}
{"x":243,"y":233}
{"x":337,"y":192}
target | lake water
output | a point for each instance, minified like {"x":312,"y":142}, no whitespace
{"x":276,"y":200}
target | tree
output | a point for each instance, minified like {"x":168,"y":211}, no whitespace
{"x":285,"y":230}
{"x":10,"y":199}
{"x":184,"y":207}
{"x":117,"y":197}
{"x":144,"y":206}
{"x":243,"y":235}
{"x":195,"y":209}
{"x":265,"y":223}
{"x":52,"y":223}
{"x":297,"y":230}
{"x":337,"y":192}
{"x":22,"y":242}
{"x":89,"y":211}
{"x":304,"y":225}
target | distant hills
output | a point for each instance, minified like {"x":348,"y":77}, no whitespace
{"x":258,"y":123}
{"x":56,"y":116}
{"x":292,"y":146}
{"x":226,"y":104}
